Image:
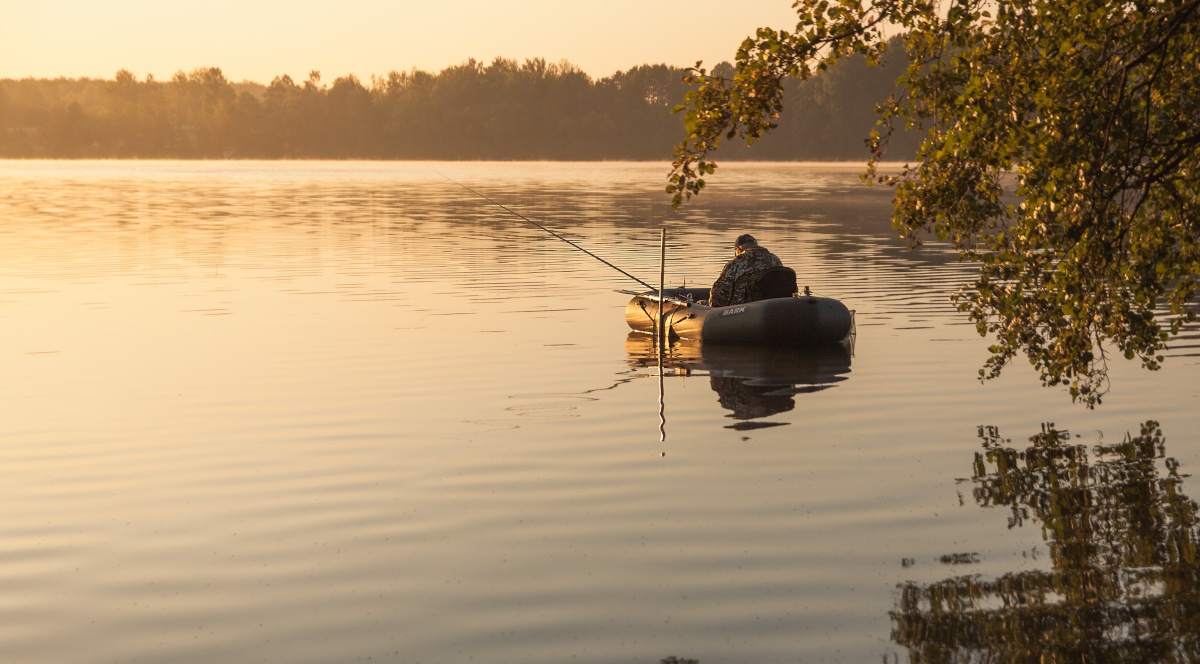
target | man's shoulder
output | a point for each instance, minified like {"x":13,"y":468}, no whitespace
{"x":763,"y":257}
{"x":743,"y":261}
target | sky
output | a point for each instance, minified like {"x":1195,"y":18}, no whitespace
{"x":257,"y":40}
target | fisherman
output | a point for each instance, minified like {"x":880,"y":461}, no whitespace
{"x":749,"y":262}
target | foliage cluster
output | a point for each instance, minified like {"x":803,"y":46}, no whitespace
{"x":1060,"y":151}
{"x":503,"y":110}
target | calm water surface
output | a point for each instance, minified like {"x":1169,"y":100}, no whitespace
{"x":313,"y":412}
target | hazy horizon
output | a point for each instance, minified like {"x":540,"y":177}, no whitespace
{"x":257,"y":41}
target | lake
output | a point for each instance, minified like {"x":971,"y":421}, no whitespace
{"x":314,"y":412}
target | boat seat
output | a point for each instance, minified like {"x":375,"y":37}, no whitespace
{"x":774,"y":282}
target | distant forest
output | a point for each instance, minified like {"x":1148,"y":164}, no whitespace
{"x":502,"y":111}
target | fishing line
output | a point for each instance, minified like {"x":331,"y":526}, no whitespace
{"x":518,"y":214}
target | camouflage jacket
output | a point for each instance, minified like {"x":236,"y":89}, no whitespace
{"x":731,"y":287}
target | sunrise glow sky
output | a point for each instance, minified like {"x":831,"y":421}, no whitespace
{"x":257,"y":40}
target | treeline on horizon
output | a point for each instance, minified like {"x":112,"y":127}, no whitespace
{"x":502,"y":111}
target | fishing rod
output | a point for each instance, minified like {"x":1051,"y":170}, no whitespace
{"x":662,"y":327}
{"x":541,"y":227}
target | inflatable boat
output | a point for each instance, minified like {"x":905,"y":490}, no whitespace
{"x":799,"y":320}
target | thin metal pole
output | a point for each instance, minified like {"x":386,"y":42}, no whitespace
{"x":662,"y":337}
{"x":662,"y":401}
{"x":662,"y":278}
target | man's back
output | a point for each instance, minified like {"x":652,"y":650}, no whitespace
{"x":733,"y":286}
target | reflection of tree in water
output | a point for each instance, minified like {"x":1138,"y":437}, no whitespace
{"x":1123,"y":587}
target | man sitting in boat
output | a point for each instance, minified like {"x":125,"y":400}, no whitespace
{"x":740,"y":275}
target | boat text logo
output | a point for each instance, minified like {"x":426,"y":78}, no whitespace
{"x":733,"y":312}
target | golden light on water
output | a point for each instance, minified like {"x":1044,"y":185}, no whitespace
{"x":321,"y":411}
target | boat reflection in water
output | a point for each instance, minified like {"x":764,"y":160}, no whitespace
{"x":1123,"y":583}
{"x":751,"y":382}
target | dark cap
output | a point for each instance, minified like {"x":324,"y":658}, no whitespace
{"x":743,"y":239}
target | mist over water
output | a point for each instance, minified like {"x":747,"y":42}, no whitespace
{"x":311,"y":411}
